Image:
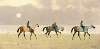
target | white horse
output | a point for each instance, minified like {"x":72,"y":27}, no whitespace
{"x":80,"y":29}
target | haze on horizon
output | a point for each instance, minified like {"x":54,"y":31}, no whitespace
{"x":15,"y":12}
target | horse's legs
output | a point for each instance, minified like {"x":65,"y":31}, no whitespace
{"x":19,"y":34}
{"x":46,"y":33}
{"x":56,"y":33}
{"x":49,"y":33}
{"x":34,"y":35}
{"x":24,"y":35}
{"x":88,"y":34}
{"x":73,"y":35}
{"x":30,"y":36}
{"x":79,"y":35}
{"x":60,"y":32}
{"x":84,"y":35}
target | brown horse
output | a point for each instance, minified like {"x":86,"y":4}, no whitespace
{"x":24,"y":29}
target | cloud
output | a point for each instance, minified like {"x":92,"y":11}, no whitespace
{"x":18,"y":3}
{"x":37,"y":4}
{"x":15,"y":3}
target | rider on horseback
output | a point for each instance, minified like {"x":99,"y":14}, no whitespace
{"x":81,"y":25}
{"x":28,"y":25}
{"x":54,"y":25}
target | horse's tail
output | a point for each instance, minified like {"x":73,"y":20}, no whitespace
{"x":18,"y":29}
{"x":72,"y":29}
{"x":44,"y":28}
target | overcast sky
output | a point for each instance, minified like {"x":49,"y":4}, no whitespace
{"x":15,"y":12}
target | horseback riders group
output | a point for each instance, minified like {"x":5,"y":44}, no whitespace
{"x":57,"y":29}
{"x":55,"y":26}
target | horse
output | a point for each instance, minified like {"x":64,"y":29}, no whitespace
{"x":50,"y":28}
{"x":80,"y":29}
{"x":24,"y":29}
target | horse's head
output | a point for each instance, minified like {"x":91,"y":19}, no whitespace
{"x":93,"y":26}
{"x":62,"y":28}
{"x":37,"y":25}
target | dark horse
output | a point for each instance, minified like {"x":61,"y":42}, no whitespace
{"x":24,"y":29}
{"x":50,"y":28}
{"x":79,"y":29}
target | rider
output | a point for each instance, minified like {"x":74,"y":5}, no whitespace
{"x":28,"y":25}
{"x":54,"y":25}
{"x":81,"y":24}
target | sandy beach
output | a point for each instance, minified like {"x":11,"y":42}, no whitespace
{"x":10,"y":41}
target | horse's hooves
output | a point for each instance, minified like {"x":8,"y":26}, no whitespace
{"x":57,"y":37}
{"x":36,"y":38}
{"x":50,"y":36}
{"x":72,"y":38}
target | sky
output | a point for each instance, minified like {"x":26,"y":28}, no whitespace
{"x":15,"y":12}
